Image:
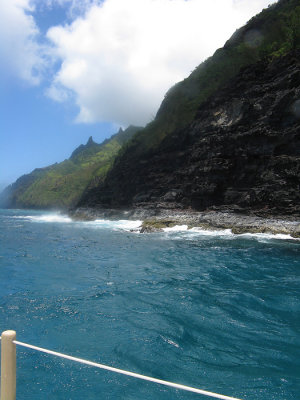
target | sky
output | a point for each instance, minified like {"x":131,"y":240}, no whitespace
{"x":71,"y":69}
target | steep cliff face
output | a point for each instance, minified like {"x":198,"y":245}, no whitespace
{"x":226,"y":136}
{"x":272,"y":33}
{"x":242,"y":151}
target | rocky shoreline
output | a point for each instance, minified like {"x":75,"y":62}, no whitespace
{"x":155,"y":220}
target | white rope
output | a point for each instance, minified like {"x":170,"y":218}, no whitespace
{"x":120,"y":371}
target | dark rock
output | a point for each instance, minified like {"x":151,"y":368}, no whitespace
{"x":233,"y":218}
{"x":242,"y":151}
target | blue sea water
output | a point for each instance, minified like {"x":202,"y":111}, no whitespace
{"x":211,"y":310}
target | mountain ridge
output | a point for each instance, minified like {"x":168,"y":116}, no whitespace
{"x":195,"y":155}
{"x":61,"y":185}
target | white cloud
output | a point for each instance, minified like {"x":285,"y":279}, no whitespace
{"x":121,"y":57}
{"x":20,"y":53}
{"x":253,"y":6}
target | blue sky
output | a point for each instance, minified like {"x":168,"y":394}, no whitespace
{"x":78,"y":68}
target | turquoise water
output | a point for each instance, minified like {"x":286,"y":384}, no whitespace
{"x":216,"y":311}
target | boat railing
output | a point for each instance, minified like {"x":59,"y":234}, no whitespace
{"x":8,"y":369}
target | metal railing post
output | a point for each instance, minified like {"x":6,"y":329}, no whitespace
{"x":8,"y":366}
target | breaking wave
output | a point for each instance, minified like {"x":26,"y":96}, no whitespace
{"x":125,"y":225}
{"x":122,"y":224}
{"x":175,"y":232}
{"x":182,"y":231}
{"x":51,"y":217}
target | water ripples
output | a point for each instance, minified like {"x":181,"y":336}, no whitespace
{"x":216,"y":311}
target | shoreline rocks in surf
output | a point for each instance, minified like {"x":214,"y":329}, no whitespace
{"x":156,"y":220}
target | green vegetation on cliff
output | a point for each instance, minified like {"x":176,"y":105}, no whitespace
{"x":157,"y":166}
{"x":101,"y":174}
{"x":272,"y":33}
{"x":62,"y":184}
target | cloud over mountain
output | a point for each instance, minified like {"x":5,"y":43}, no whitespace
{"x":122,"y":56}
{"x":116,"y":59}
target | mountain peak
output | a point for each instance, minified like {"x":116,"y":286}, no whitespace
{"x":90,"y":142}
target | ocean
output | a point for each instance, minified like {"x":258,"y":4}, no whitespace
{"x":207,"y":309}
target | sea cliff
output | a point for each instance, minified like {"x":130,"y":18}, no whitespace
{"x":241,"y":152}
{"x":225,"y":138}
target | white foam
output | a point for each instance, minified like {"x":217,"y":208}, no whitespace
{"x":268,"y":236}
{"x":52,"y":218}
{"x":176,"y":228}
{"x":125,"y":225}
{"x":185,"y":233}
{"x":182,"y":231}
{"x":206,"y":232}
{"x":58,"y":218}
{"x":121,"y":224}
{"x":197,"y":231}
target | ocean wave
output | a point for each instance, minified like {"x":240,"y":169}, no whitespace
{"x":206,"y":232}
{"x":183,"y":229}
{"x":268,"y":236}
{"x":122,"y":224}
{"x":176,"y":228}
{"x":176,"y":232}
{"x":125,"y":225}
{"x":182,"y":232}
{"x":58,"y":218}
